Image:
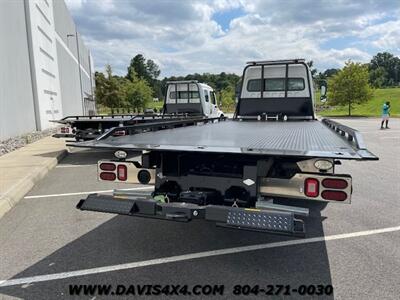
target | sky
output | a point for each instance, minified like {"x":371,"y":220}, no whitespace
{"x":197,"y":36}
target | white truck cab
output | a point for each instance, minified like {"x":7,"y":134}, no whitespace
{"x":191,"y":97}
{"x":277,"y":88}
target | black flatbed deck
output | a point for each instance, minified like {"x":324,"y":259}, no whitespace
{"x":310,"y":138}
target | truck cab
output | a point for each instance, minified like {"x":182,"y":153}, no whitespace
{"x":277,"y":89}
{"x":191,"y":97}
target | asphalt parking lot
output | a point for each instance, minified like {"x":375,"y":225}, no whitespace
{"x":46,"y":244}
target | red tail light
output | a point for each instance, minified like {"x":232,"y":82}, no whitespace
{"x":64,"y":129}
{"x":122,"y":172}
{"x":107,"y":167}
{"x":334,"y":195}
{"x":107,"y":176}
{"x":334,"y":183}
{"x":311,"y":187}
{"x":119,"y":133}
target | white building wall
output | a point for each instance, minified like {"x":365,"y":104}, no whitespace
{"x":45,"y":61}
{"x":17,"y":114}
{"x":68,"y":40}
{"x":40,"y":77}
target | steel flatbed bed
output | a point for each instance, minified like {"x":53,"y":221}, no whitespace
{"x":310,"y":138}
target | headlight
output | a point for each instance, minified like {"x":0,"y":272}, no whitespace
{"x":323,"y":164}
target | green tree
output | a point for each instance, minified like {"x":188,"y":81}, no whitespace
{"x":123,"y":92}
{"x":384,"y":70}
{"x":227,"y":97}
{"x":330,"y":72}
{"x":378,"y":77}
{"x":218,"y":81}
{"x":153,"y":71}
{"x":350,"y":86}
{"x":100,"y":82}
{"x":147,"y":70}
{"x":138,"y":94}
{"x":138,"y":68}
{"x":107,"y":89}
{"x":222,"y":81}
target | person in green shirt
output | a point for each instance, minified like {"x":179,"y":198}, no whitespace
{"x":385,"y":114}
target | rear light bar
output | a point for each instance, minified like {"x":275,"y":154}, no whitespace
{"x":107,"y":166}
{"x":308,"y":186}
{"x":107,"y":176}
{"x":311,"y":187}
{"x":122,"y":172}
{"x":64,"y":129}
{"x":333,"y":183}
{"x":334,"y":195}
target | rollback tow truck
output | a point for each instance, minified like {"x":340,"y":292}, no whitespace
{"x":235,"y":172}
{"x":184,"y":100}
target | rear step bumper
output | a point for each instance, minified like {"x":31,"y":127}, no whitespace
{"x":263,"y":220}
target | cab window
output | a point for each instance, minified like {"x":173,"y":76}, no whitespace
{"x":183,"y":95}
{"x":206,"y":96}
{"x":276,"y":84}
{"x":254,"y":85}
{"x":194,"y":94}
{"x":296,"y":84}
{"x":213,"y":101}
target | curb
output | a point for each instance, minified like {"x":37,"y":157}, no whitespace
{"x":9,"y":199}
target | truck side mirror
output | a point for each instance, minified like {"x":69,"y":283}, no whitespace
{"x":323,"y":93}
{"x":206,"y":98}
